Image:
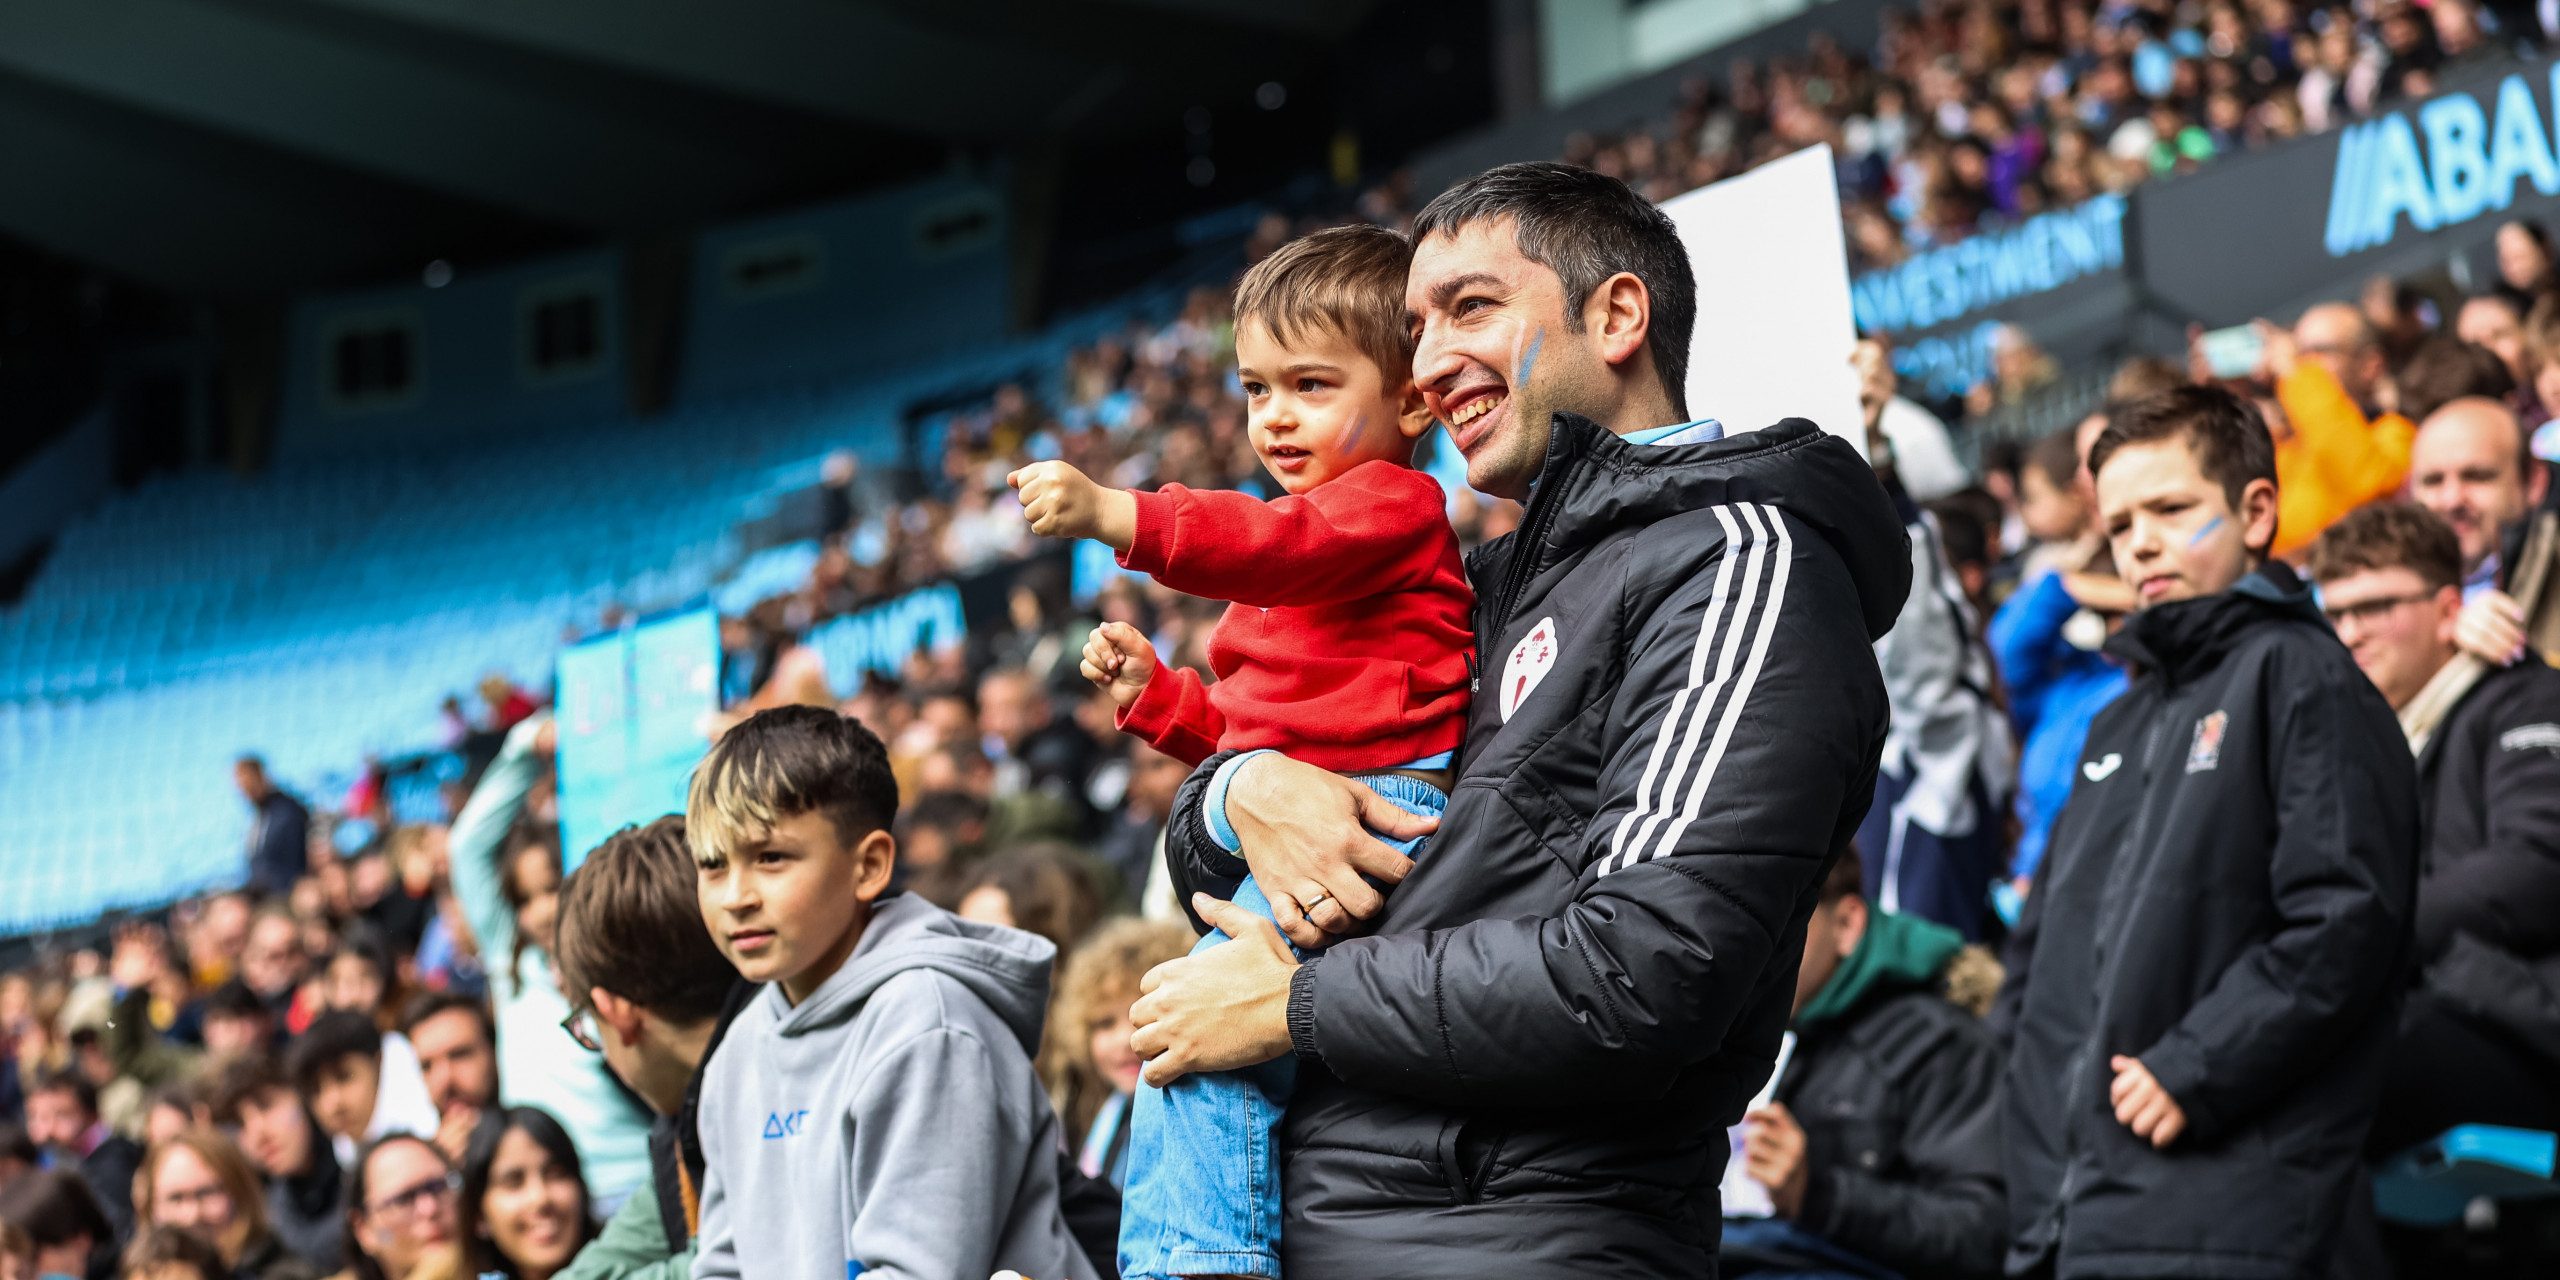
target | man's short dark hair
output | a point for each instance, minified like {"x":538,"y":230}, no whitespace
{"x":2445,"y":369}
{"x":2389,"y":535}
{"x":332,"y":1037}
{"x":16,"y":1145}
{"x":2058,"y":457}
{"x":66,"y":1080}
{"x":55,"y":1207}
{"x":237,"y":1082}
{"x":631,"y":923}
{"x":785,"y":762}
{"x":1848,"y":876}
{"x":2226,"y":433}
{"x":234,"y":999}
{"x":1586,"y":227}
{"x":430,"y":1004}
{"x":156,"y":1248}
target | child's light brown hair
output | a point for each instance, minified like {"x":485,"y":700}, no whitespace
{"x":1346,"y":281}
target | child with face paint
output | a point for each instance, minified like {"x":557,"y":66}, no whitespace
{"x":1349,"y":645}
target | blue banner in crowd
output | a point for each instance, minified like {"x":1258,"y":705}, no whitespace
{"x":2039,"y":255}
{"x":2474,"y":157}
{"x":633,"y":705}
{"x":882,"y":637}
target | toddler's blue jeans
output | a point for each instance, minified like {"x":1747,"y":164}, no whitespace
{"x":1204,"y":1161}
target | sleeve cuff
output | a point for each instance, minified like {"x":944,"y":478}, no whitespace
{"x":1213,"y":807}
{"x":2180,"y":1070}
{"x":1152,"y":713}
{"x":1151,"y":546}
{"x":1302,"y":1010}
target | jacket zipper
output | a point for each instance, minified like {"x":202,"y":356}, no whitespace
{"x":2117,"y":874}
{"x":1532,"y":538}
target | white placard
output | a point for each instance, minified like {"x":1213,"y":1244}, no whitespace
{"x":1774,"y":325}
{"x":1744,"y":1197}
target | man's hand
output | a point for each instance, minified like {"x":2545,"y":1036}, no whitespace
{"x":1306,"y":835}
{"x":139,"y":959}
{"x":2277,"y":352}
{"x":1773,"y":1154}
{"x":1062,"y":502}
{"x":453,"y":1130}
{"x":1119,"y":662}
{"x":1224,"y":1008}
{"x":2491,"y":628}
{"x":2142,"y":1105}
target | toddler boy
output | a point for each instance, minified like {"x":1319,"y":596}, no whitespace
{"x":873,"y":1111}
{"x":1348,"y":645}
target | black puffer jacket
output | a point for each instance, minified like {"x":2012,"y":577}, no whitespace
{"x":2228,"y":899}
{"x":2489,"y":890}
{"x":1900,"y":1103}
{"x":1528,"y":1070}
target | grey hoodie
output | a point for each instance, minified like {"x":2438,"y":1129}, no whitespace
{"x":893,"y":1120}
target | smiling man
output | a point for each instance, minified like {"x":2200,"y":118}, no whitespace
{"x":1529,"y":1068}
{"x":2473,"y":466}
{"x":2200,"y":994}
{"x":2479,"y":1042}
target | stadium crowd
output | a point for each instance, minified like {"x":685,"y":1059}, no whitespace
{"x":415,"y":1049}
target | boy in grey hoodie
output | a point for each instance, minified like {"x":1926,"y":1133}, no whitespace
{"x":874,"y":1111}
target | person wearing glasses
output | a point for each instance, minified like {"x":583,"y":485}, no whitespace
{"x":653,"y":995}
{"x":198,"y":1182}
{"x":524,"y":1211}
{"x":2479,"y":1038}
{"x":401,"y":1221}
{"x":508,"y":886}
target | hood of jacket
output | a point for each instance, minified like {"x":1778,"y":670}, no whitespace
{"x":1006,"y":968}
{"x":1897,"y":952}
{"x":1814,"y":476}
{"x":2185,"y":639}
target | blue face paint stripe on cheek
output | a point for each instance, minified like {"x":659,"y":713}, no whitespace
{"x":2206,"y":531}
{"x":1529,"y":358}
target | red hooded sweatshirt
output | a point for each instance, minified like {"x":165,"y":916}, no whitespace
{"x":1351,"y":632}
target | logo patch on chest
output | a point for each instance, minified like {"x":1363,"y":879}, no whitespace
{"x":2101,"y":770}
{"x":783,"y":1124}
{"x":1528,"y":664}
{"x":2206,"y":751}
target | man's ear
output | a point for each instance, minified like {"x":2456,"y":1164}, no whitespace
{"x":1619,"y":316}
{"x":1852,"y":925}
{"x":1414,"y":418}
{"x":615,"y":1012}
{"x":2258,"y":516}
{"x":873,"y":859}
{"x":2448,"y":606}
{"x":2537,"y":480}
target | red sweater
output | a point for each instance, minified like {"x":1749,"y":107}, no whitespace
{"x":1352,"y":625}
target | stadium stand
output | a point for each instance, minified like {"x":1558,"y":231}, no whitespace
{"x":320,"y":612}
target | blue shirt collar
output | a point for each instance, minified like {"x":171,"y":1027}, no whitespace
{"x":1698,"y":432}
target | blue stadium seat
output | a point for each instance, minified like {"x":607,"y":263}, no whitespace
{"x":2433,"y":1183}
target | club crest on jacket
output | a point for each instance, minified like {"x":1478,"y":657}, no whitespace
{"x":2206,"y":751}
{"x":1528,"y":664}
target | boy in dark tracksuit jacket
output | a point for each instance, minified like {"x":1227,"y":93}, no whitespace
{"x":2202,"y":991}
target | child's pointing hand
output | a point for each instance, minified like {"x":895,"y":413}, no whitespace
{"x":1062,"y":502}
